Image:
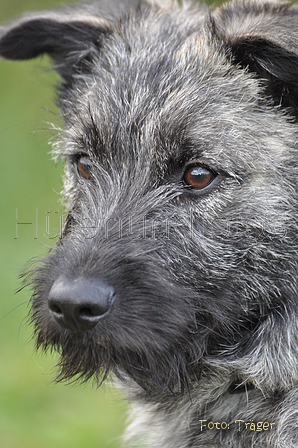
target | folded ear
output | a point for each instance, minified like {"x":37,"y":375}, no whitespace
{"x":263,"y":36}
{"x":67,"y":38}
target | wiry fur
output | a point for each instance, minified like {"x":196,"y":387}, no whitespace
{"x":205,"y":322}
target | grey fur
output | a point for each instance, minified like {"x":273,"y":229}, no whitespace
{"x":204,"y":325}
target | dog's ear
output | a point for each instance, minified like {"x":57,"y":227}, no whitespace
{"x":263,"y":37}
{"x":68,"y":38}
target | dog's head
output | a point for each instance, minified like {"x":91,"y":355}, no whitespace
{"x":179,"y":250}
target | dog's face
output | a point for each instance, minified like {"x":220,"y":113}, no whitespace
{"x":180,"y":243}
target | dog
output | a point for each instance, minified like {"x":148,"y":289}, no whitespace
{"x":176,"y":272}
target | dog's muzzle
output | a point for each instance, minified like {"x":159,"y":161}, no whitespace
{"x":79,"y":304}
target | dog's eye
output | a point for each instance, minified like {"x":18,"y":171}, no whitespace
{"x":198,"y":177}
{"x":84,"y":166}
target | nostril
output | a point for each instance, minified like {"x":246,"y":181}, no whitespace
{"x":86,"y":312}
{"x":55,"y":309}
{"x":94,"y":311}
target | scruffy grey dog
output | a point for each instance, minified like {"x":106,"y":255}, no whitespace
{"x":177,"y":268}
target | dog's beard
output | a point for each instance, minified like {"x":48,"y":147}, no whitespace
{"x":146,"y":338}
{"x":90,"y":355}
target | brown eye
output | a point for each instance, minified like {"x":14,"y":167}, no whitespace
{"x":198,"y":177}
{"x":84,"y":167}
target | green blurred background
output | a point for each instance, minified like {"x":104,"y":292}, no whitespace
{"x":34,"y":411}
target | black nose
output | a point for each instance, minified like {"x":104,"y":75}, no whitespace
{"x":78,"y":304}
